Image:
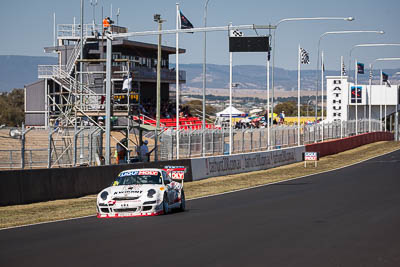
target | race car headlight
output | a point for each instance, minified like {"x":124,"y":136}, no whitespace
{"x":151,"y":193}
{"x":104,"y":195}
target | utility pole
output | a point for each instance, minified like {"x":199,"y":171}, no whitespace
{"x":157,"y":18}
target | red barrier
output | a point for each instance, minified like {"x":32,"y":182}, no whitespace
{"x":335,"y":146}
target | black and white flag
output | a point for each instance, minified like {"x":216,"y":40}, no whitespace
{"x":304,"y":57}
{"x":236,"y":33}
{"x":343,"y":69}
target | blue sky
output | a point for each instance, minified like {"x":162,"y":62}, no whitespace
{"x":28,"y":27}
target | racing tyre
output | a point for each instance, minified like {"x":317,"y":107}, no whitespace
{"x":182,"y":207}
{"x":165,"y":204}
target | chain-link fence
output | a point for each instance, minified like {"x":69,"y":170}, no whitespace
{"x":260,"y":139}
{"x":48,"y":148}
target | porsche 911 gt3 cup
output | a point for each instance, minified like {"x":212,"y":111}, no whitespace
{"x":142,"y":192}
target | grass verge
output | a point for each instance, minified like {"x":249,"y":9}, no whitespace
{"x":71,"y":208}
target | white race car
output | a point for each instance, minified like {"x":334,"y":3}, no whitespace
{"x":142,"y":192}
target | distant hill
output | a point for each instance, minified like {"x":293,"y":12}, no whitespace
{"x":254,"y":76}
{"x":17,"y":71}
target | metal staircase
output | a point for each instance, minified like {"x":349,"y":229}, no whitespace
{"x":76,"y":52}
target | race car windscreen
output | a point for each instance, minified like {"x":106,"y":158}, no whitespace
{"x":138,"y":177}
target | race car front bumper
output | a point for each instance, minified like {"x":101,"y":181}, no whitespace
{"x":126,"y":209}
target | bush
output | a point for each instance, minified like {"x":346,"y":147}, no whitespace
{"x":12,"y":108}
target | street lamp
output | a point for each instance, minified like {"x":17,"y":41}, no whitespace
{"x":387,"y":59}
{"x":204,"y":79}
{"x":368,"y":45}
{"x":274,"y":40}
{"x":317,"y":80}
{"x":157,"y":18}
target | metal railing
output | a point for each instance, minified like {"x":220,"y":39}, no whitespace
{"x":41,"y":148}
{"x":49,"y":148}
{"x":74,"y":30}
{"x":256,"y":139}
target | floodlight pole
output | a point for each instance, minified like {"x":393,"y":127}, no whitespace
{"x":368,"y":45}
{"x":274,"y":44}
{"x":319,"y":43}
{"x":386,"y":59}
{"x":204,"y":82}
{"x":157,"y":18}
{"x":108,"y":99}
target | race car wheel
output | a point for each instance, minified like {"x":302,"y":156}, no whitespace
{"x":183,"y":201}
{"x":165,"y":204}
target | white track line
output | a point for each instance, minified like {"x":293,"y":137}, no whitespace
{"x":219,"y":194}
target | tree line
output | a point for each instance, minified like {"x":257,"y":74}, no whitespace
{"x":12,"y":108}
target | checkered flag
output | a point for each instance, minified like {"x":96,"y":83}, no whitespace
{"x":305,"y":59}
{"x":236,"y":33}
{"x":343,"y":69}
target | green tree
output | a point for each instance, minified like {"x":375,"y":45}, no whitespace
{"x":289,"y":107}
{"x":12,"y":108}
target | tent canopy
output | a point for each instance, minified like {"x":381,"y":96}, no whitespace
{"x":235,"y":112}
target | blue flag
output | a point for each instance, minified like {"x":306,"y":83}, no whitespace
{"x":360,"y":68}
{"x":185,"y":23}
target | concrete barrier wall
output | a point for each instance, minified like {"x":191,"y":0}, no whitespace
{"x":224,"y":165}
{"x":340,"y":145}
{"x":28,"y":186}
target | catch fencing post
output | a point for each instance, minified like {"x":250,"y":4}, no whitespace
{"x":49,"y":149}
{"x":23,"y":147}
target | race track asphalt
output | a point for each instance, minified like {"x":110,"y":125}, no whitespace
{"x":347,"y":217}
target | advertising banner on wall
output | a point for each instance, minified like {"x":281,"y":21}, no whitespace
{"x":225,"y":165}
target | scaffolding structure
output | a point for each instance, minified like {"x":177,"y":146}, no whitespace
{"x":76,"y":98}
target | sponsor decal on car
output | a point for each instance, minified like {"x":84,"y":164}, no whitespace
{"x":148,"y":172}
{"x":128,"y":192}
{"x":129,"y":173}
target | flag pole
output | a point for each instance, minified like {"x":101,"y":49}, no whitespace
{"x":341,"y":82}
{"x":380,"y":105}
{"x":177,"y":81}
{"x":369,"y":96}
{"x":322,"y":93}
{"x":268,"y":107}
{"x":298,"y":97}
{"x":230,"y":98}
{"x":356,"y":94}
{"x":385,"y":98}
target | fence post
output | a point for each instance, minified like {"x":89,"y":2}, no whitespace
{"x":49,"y":149}
{"x":222,"y":141}
{"x":23,"y":147}
{"x":251,"y":140}
{"x":212,"y":142}
{"x":189,"y":144}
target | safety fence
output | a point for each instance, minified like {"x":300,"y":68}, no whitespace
{"x":46,"y":148}
{"x":217,"y":141}
{"x":84,"y":146}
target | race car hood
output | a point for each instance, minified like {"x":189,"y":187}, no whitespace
{"x":131,"y":190}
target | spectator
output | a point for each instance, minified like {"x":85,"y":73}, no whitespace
{"x":282,"y":117}
{"x":143,"y":152}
